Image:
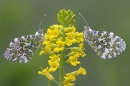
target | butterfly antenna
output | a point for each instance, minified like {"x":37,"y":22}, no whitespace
{"x":42,"y":21}
{"x":83,"y":19}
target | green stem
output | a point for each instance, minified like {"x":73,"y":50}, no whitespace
{"x":48,"y":83}
{"x":56,"y":82}
{"x":61,"y":69}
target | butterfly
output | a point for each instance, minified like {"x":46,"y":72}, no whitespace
{"x":106,"y":44}
{"x":22,"y":49}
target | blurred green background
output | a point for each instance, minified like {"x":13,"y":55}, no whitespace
{"x":22,"y":17}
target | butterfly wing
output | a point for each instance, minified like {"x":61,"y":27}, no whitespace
{"x":105,"y":44}
{"x":22,"y":49}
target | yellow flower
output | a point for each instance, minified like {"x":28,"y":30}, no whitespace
{"x":68,"y":41}
{"x":42,"y":52}
{"x":79,"y":71}
{"x":60,"y":46}
{"x":79,"y":37}
{"x":47,"y":50}
{"x":46,"y":39}
{"x":73,"y":29}
{"x":46,"y":74}
{"x":58,"y":49}
{"x":53,"y":65}
{"x":70,"y":38}
{"x":53,"y":32}
{"x":70,"y":35}
{"x":69,"y":78}
{"x":55,"y":57}
{"x":73,"y":60}
{"x":81,"y":50}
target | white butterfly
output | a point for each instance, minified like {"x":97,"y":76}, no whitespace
{"x":22,"y":49}
{"x":105,"y":44}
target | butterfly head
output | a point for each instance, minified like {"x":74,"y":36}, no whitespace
{"x":40,"y":31}
{"x":39,"y":34}
{"x":87,"y":31}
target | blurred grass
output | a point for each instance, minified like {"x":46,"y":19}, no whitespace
{"x":21,"y":17}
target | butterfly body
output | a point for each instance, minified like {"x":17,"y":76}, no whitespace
{"x":22,"y":49}
{"x":105,"y":44}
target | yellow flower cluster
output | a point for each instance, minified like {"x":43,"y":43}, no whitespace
{"x":58,"y":40}
{"x":55,"y":41}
